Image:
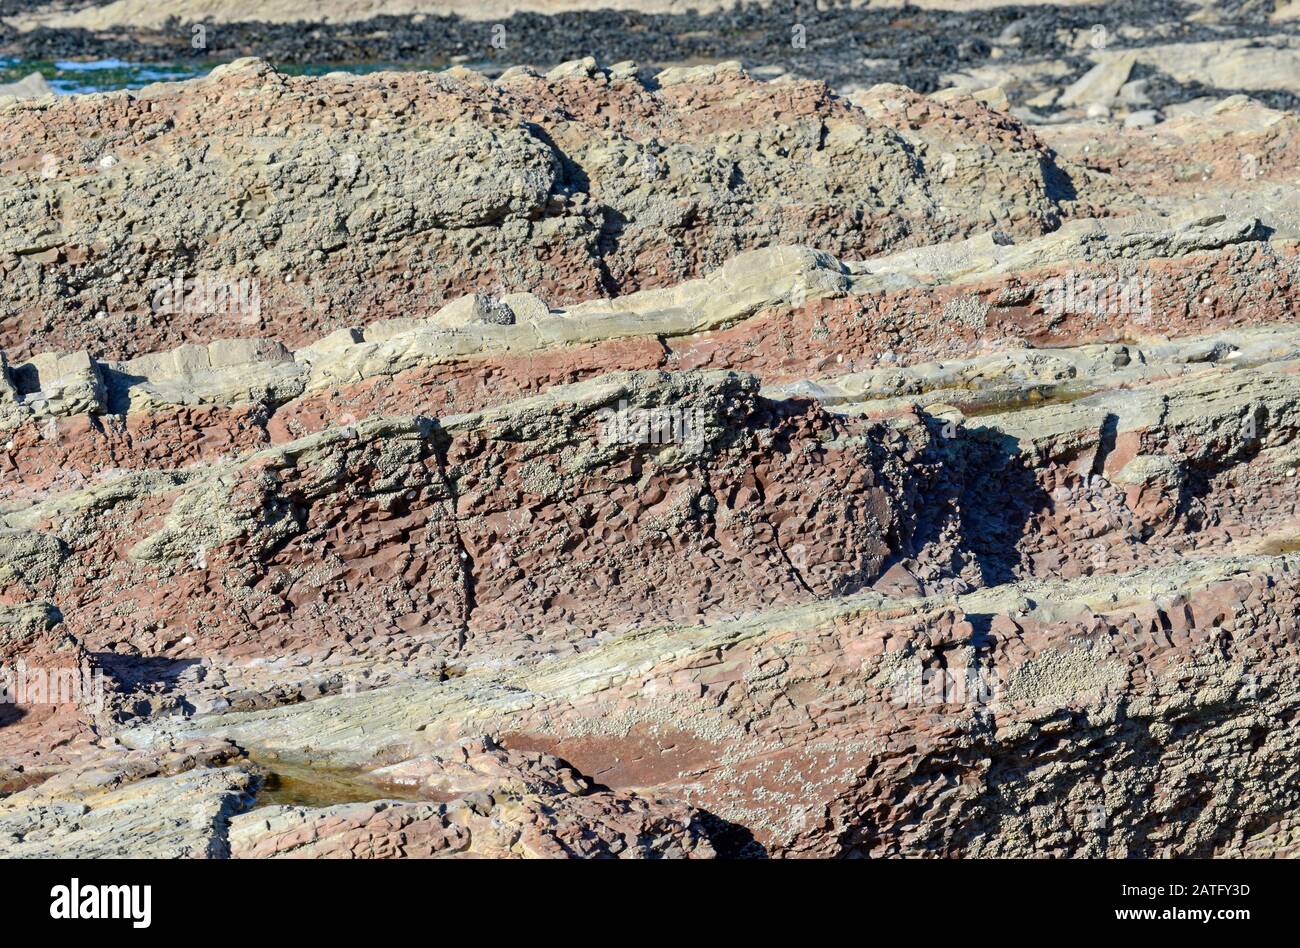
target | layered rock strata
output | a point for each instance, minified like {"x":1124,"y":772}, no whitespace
{"x":144,"y":219}
{"x":974,"y":539}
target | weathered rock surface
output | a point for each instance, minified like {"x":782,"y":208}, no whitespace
{"x":872,"y":479}
{"x":1096,"y":717}
{"x":171,"y":805}
{"x":500,"y":804}
{"x":280,"y":205}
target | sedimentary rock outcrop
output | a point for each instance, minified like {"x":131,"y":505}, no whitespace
{"x":249,"y":202}
{"x":958,"y":520}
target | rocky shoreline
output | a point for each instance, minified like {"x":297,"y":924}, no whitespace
{"x":611,"y":461}
{"x":850,"y":45}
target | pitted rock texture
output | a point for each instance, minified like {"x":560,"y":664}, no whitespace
{"x":251,"y":202}
{"x":499,"y":804}
{"x":885,"y":478}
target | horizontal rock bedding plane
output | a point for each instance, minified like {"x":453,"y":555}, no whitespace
{"x":690,"y":462}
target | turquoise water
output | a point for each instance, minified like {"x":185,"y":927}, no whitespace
{"x":99,"y":75}
{"x":104,"y":75}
